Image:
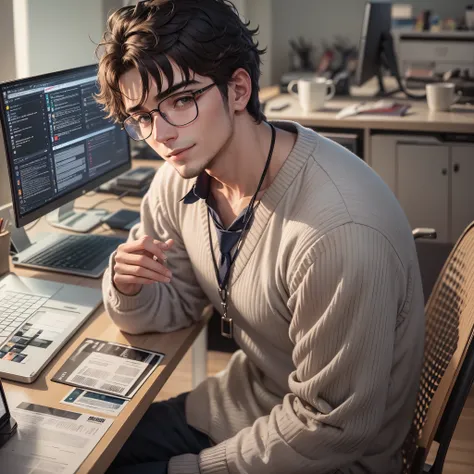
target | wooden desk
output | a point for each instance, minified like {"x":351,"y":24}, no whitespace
{"x":174,"y":345}
{"x":418,"y":119}
{"x":460,"y":120}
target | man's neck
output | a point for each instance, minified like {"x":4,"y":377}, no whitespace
{"x":236,"y":171}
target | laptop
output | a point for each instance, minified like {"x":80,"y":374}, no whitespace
{"x":37,"y":317}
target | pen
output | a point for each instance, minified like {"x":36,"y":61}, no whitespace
{"x":280,"y":108}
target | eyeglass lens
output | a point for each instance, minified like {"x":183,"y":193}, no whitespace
{"x":177,"y":110}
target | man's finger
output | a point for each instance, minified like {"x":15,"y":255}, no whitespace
{"x":155,"y":247}
{"x":144,"y":261}
{"x":141,"y":272}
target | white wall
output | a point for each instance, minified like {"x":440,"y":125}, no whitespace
{"x":7,"y":73}
{"x":109,"y":6}
{"x":7,"y":51}
{"x":259,"y":12}
{"x":62,"y":33}
{"x":319,"y":20}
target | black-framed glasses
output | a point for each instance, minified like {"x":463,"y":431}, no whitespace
{"x":178,"y":109}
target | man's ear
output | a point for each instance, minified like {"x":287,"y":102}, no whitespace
{"x":240,"y":90}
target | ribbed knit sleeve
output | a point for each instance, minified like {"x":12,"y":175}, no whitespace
{"x":157,"y":307}
{"x":347,"y":295}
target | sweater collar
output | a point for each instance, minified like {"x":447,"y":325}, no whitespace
{"x":200,"y":189}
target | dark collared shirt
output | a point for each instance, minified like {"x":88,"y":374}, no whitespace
{"x":227,"y":238}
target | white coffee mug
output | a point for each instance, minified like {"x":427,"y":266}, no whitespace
{"x":441,"y":96}
{"x":312,"y":93}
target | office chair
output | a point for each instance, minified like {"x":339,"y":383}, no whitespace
{"x":448,"y":368}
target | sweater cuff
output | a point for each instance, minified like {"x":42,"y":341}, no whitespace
{"x":184,"y":464}
{"x":213,"y":460}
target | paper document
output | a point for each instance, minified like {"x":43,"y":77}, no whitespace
{"x":381,"y":107}
{"x":108,"y":367}
{"x":50,"y":441}
{"x":95,"y":401}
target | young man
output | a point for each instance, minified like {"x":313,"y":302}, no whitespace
{"x":298,"y":243}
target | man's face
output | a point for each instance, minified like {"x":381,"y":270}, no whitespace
{"x":190,"y":149}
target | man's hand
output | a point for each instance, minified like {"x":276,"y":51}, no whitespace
{"x":141,"y":262}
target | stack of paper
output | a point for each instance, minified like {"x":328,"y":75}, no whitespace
{"x":381,"y":107}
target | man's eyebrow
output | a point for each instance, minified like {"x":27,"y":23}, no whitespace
{"x":175,"y":88}
{"x":165,"y":93}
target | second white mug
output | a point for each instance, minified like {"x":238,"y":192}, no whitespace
{"x":441,"y":96}
{"x":312,"y":93}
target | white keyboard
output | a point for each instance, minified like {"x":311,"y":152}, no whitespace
{"x":15,"y":309}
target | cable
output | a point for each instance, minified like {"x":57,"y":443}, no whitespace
{"x":97,"y":204}
{"x":115,"y":198}
{"x":33,"y":225}
{"x":409,"y":94}
{"x":131,"y":204}
{"x":388,"y":59}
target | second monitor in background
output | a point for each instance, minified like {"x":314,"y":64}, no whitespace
{"x":134,"y":182}
{"x":142,"y":151}
{"x":377,"y":51}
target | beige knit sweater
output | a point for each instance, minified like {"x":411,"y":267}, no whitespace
{"x":327,"y":305}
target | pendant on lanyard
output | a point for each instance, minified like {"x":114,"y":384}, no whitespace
{"x":227,"y":326}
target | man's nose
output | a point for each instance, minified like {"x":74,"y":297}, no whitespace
{"x":162,"y":130}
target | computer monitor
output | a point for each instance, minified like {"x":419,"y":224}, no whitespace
{"x":59,"y":145}
{"x":376,"y":49}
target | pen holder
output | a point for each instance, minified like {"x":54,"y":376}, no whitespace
{"x":4,"y":253}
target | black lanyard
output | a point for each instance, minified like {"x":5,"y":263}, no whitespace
{"x":226,"y":322}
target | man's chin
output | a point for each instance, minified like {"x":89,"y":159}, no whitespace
{"x":191,"y":170}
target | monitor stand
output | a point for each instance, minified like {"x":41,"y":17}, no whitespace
{"x":388,"y":59}
{"x":382,"y":92}
{"x":76,"y":220}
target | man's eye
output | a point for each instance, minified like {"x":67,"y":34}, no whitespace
{"x":143,"y":119}
{"x":183,"y":101}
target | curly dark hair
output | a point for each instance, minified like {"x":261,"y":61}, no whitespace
{"x":202,"y":36}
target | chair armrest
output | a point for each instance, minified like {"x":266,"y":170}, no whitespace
{"x":424,"y":233}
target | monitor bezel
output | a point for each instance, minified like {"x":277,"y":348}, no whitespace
{"x":21,"y":221}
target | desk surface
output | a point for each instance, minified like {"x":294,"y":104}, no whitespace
{"x":418,"y":119}
{"x":174,"y":346}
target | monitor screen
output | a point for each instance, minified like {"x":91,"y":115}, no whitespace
{"x":58,"y":142}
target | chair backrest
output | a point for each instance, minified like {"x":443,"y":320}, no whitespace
{"x":449,"y":331}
